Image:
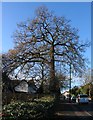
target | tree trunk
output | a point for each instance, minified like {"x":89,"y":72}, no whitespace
{"x":52,"y":70}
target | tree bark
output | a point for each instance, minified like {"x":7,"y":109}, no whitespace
{"x":52,"y":70}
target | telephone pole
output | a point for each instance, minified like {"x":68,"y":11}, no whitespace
{"x":70,"y":84}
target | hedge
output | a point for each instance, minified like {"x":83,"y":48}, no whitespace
{"x":28,"y":110}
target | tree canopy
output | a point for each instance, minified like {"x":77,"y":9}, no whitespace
{"x":46,"y":39}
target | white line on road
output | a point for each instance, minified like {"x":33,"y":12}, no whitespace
{"x":88,"y":113}
{"x":81,"y":113}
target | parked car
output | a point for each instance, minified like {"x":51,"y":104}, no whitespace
{"x":82,"y":98}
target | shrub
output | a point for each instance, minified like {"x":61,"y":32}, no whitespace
{"x":27,"y":110}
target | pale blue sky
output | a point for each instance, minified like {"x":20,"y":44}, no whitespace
{"x":0,"y":27}
{"x":13,"y":13}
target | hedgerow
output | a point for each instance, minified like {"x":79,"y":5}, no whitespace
{"x":27,"y":110}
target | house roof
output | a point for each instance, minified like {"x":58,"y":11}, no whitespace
{"x":22,"y":86}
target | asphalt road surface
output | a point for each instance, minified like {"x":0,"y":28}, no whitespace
{"x":64,"y":110}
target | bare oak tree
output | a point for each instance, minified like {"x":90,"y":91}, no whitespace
{"x":48,"y":39}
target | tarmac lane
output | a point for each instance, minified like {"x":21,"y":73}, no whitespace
{"x":83,"y":111}
{"x":72,"y":111}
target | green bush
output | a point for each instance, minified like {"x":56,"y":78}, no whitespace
{"x":27,"y":110}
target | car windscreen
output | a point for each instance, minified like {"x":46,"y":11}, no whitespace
{"x":83,"y":96}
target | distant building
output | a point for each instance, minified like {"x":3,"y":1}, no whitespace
{"x":66,"y":94}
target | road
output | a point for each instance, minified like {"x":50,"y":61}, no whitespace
{"x":71,"y":111}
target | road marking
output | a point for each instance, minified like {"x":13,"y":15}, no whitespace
{"x":87,"y":113}
{"x":81,"y":113}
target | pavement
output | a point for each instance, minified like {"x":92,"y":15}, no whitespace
{"x":63,"y":110}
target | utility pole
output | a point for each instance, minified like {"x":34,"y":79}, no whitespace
{"x":42,"y":70}
{"x":70,"y":84}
